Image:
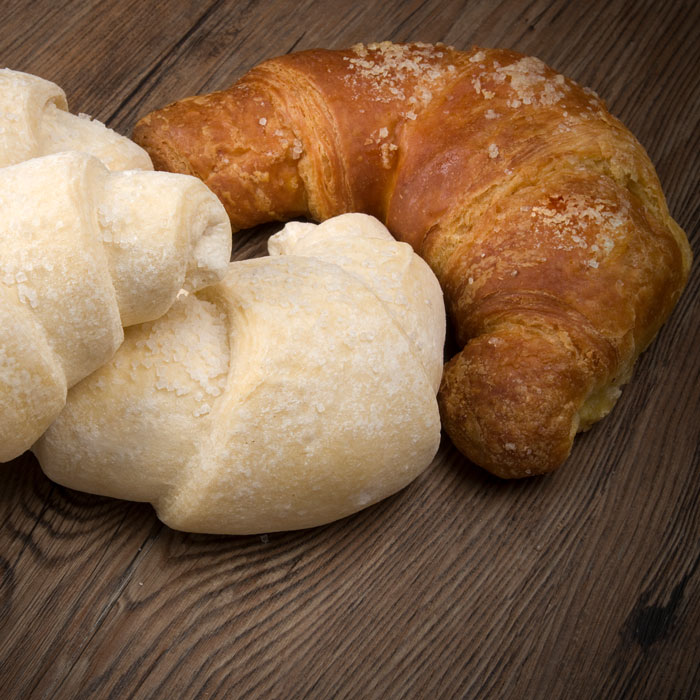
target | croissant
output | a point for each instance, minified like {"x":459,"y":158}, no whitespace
{"x":296,"y":391}
{"x":34,"y":121}
{"x":540,"y":214}
{"x":84,"y":251}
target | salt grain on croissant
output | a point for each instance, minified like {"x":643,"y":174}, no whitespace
{"x":83,"y":252}
{"x":298,"y":390}
{"x":541,"y":215}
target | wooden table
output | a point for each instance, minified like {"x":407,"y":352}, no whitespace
{"x":582,"y":584}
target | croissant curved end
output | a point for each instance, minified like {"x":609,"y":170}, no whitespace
{"x":513,"y":400}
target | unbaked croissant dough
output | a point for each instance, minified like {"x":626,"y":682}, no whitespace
{"x":298,"y":390}
{"x":34,"y":121}
{"x":83,"y":252}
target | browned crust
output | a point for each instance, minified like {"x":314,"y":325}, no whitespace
{"x":541,"y":215}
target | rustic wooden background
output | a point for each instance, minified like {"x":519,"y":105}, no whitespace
{"x":583,"y":584}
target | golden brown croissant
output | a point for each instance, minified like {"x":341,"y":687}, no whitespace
{"x":541,"y":215}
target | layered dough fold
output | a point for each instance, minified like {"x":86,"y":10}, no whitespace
{"x":83,"y":252}
{"x":35,"y":121}
{"x":296,"y":391}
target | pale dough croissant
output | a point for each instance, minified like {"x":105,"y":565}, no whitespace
{"x":83,"y":252}
{"x":541,"y":215}
{"x":298,"y":390}
{"x":34,"y":121}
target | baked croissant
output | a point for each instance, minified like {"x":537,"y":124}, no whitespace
{"x":298,"y":390}
{"x":540,"y":214}
{"x":84,"y":251}
{"x":34,"y":121}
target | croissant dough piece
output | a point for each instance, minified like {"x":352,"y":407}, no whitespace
{"x":540,"y":214}
{"x":298,"y":390}
{"x":34,"y":121}
{"x":84,"y":251}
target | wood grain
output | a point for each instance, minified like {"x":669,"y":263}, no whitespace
{"x":583,"y":584}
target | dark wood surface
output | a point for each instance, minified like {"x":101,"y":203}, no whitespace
{"x":582,"y":584}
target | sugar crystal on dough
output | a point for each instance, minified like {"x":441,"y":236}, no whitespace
{"x":386,"y":69}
